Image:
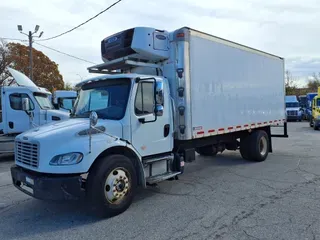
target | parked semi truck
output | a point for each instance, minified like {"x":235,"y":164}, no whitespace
{"x":63,"y":99}
{"x":303,"y":105}
{"x":162,"y":96}
{"x":294,"y":111}
{"x":310,"y":97}
{"x":315,"y":107}
{"x":13,"y":119}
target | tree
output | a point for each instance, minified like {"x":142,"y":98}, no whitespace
{"x":45,"y":72}
{"x":314,"y":83}
{"x":290,"y":83}
{"x":68,"y":86}
{"x":4,"y":61}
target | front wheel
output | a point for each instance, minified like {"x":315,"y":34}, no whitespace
{"x":111,"y":185}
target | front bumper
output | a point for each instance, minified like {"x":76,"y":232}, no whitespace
{"x":47,"y":187}
{"x":294,"y":117}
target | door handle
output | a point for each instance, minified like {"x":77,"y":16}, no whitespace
{"x":166,"y":130}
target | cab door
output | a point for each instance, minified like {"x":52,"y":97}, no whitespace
{"x":151,"y":130}
{"x":17,"y":120}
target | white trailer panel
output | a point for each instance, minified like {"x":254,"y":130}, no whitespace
{"x":232,"y":87}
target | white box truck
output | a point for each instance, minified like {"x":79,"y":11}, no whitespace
{"x":14,"y":119}
{"x":164,"y":97}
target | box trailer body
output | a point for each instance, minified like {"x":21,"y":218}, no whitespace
{"x":227,"y":86}
{"x":164,"y":97}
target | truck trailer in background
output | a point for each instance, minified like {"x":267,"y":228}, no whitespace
{"x":164,"y":97}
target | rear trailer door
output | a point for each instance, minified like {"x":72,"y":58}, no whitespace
{"x":233,"y":87}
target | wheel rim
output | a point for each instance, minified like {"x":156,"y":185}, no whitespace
{"x":263,"y":146}
{"x":117,"y":185}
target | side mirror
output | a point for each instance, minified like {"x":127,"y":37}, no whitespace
{"x":93,"y":119}
{"x":159,"y":93}
{"x":159,"y":110}
{"x":26,"y":104}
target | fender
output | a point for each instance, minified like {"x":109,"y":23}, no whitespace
{"x":125,"y":148}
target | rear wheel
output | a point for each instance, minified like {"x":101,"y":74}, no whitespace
{"x":255,"y":147}
{"x":315,"y":127}
{"x":111,"y":185}
{"x":207,"y":150}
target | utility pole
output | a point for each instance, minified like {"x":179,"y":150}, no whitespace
{"x":30,"y":38}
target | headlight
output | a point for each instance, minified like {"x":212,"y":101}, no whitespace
{"x":67,"y":159}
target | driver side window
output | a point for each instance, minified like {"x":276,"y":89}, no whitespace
{"x":16,"y":101}
{"x":144,"y":102}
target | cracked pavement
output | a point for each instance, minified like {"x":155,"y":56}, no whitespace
{"x":224,"y":197}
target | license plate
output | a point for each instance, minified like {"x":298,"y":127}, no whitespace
{"x":30,"y":181}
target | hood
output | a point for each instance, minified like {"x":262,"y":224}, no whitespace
{"x":57,"y":131}
{"x":56,"y":115}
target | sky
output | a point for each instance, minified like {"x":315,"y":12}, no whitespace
{"x":287,"y":28}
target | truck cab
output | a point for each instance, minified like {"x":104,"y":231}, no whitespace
{"x":310,"y":97}
{"x":15,"y":119}
{"x":293,"y":109}
{"x":63,"y":100}
{"x":315,"y":107}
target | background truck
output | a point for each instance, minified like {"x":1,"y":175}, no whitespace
{"x":310,"y":97}
{"x":303,"y":101}
{"x":315,"y":106}
{"x":63,"y":100}
{"x":13,"y":119}
{"x":166,"y":96}
{"x":294,"y":111}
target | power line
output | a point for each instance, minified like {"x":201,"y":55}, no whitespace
{"x":67,"y":54}
{"x":112,"y":5}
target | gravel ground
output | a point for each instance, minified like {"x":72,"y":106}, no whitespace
{"x":223,"y":197}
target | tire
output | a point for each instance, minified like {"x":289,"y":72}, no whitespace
{"x":102,"y":176}
{"x":255,"y":147}
{"x":244,"y":148}
{"x":315,"y":127}
{"x":207,"y":151}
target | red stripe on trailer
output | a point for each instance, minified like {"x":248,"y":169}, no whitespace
{"x":201,"y":132}
{"x":275,"y":120}
{"x":259,"y":123}
{"x":221,"y":129}
{"x":265,"y":123}
{"x":238,"y":126}
{"x":270,"y":122}
{"x":253,"y":124}
{"x":230,"y":128}
{"x":246,"y":125}
{"x":211,"y":131}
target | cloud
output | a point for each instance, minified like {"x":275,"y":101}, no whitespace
{"x":288,"y":28}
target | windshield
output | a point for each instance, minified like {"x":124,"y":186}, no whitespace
{"x":43,"y":101}
{"x":107,"y":98}
{"x":66,"y":103}
{"x":292,"y":104}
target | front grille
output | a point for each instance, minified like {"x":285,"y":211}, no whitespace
{"x":27,"y":153}
{"x":292,"y":113}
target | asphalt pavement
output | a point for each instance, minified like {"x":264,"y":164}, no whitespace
{"x":224,"y":197}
